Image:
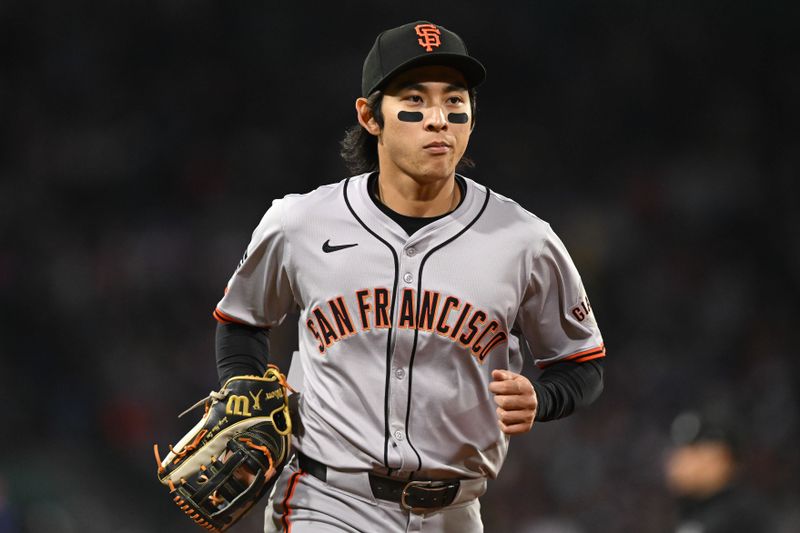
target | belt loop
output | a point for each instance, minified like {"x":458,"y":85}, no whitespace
{"x":315,"y":468}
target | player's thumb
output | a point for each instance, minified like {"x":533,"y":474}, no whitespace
{"x":501,"y":375}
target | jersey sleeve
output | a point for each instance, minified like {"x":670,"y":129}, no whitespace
{"x":259,"y":293}
{"x":555,"y":316}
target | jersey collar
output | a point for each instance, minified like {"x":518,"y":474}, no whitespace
{"x":439,"y":230}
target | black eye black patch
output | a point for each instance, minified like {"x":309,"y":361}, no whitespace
{"x":458,"y":118}
{"x":409,"y":116}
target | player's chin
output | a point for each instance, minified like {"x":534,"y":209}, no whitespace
{"x":439,"y":167}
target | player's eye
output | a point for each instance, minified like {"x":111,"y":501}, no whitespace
{"x":415,"y":98}
{"x":455,"y":100}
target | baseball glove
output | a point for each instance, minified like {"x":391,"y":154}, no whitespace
{"x":233,"y":456}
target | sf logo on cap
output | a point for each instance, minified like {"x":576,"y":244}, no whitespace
{"x":428,"y":36}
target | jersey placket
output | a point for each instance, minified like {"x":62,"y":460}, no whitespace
{"x":400,"y":372}
{"x":400,"y":447}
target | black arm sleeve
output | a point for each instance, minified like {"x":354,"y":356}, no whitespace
{"x":565,"y":386}
{"x":241,"y":350}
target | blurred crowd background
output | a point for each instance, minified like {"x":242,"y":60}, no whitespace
{"x":141,"y":142}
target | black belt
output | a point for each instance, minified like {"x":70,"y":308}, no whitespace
{"x":411,"y":495}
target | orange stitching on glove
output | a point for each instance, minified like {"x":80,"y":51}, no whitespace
{"x":281,"y":377}
{"x":158,"y":459}
{"x":265,"y":451}
{"x":189,"y":447}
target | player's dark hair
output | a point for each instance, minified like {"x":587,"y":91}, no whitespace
{"x":360,"y":147}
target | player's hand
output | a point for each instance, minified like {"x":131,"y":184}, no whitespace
{"x":515,"y":399}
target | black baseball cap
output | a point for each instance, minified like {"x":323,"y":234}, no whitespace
{"x":416,"y":44}
{"x":693,"y":427}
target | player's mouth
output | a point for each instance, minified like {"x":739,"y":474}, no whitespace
{"x":437,"y":147}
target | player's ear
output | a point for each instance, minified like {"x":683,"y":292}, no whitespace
{"x":366,"y":117}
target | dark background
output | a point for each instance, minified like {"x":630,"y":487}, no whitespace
{"x":140,"y":143}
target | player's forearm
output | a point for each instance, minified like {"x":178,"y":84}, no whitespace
{"x":241,"y":350}
{"x":566,"y":386}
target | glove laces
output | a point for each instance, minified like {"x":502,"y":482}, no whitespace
{"x":213,"y":395}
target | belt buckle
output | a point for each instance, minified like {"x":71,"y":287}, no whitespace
{"x":429,"y":485}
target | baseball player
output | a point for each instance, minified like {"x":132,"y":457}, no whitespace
{"x":418,"y":289}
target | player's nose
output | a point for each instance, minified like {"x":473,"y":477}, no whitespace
{"x":435,"y":119}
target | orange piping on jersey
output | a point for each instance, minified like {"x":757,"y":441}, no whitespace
{"x":581,"y":357}
{"x":589,"y":357}
{"x":225,"y":319}
{"x":591,"y":351}
{"x":287,"y":525}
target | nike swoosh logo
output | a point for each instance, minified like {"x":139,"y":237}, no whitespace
{"x":328,"y":248}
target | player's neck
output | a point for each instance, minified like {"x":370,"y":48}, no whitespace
{"x":407,"y":196}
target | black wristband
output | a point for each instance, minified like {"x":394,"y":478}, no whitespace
{"x":241,"y":350}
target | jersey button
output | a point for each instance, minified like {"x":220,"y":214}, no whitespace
{"x":400,"y":373}
{"x":407,"y":277}
{"x":398,"y":435}
{"x":411,"y":251}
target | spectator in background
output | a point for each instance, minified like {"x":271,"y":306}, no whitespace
{"x":702,"y":472}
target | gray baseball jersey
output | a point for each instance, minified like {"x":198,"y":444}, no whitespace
{"x":399,"y":334}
